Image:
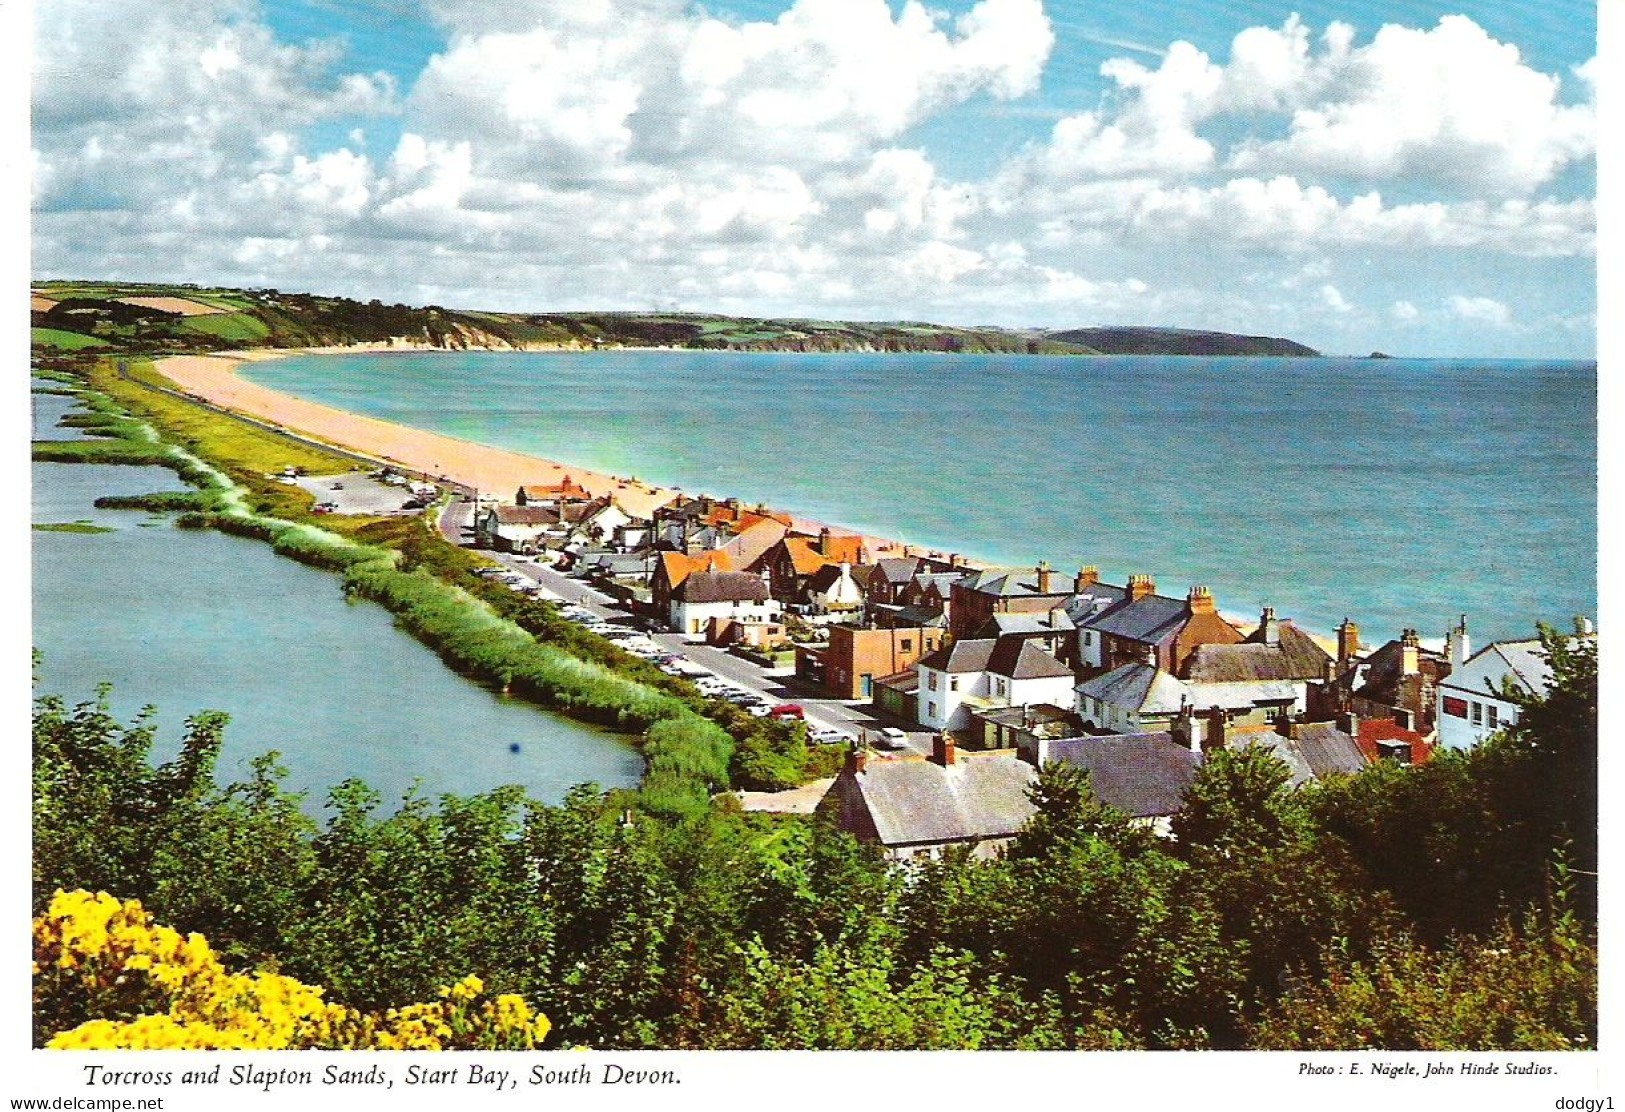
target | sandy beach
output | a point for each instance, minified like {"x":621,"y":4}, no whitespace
{"x":214,"y":379}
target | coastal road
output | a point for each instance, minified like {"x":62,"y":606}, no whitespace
{"x":833,"y":714}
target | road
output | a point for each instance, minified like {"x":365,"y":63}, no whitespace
{"x":834,"y":714}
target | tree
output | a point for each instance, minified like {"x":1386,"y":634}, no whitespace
{"x":1239,"y":802}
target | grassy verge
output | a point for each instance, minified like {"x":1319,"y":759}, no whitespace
{"x":71,"y":527}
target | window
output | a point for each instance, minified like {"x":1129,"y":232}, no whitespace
{"x":906,"y":645}
{"x":868,"y":684}
{"x":1495,"y":714}
{"x":953,"y":683}
{"x":931,"y":681}
{"x":930,"y":710}
{"x":1088,"y":638}
{"x":1478,"y":714}
{"x":1001,"y":686}
{"x":1456,"y":708}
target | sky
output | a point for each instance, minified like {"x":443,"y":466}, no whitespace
{"x":1356,"y":175}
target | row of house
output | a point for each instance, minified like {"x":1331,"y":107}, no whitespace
{"x":1013,"y":668}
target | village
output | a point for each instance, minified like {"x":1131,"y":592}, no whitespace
{"x":953,"y":683}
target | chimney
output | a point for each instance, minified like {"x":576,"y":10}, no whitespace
{"x":823,"y":541}
{"x":1410,"y":655}
{"x":1397,"y":751}
{"x":1200,"y":601}
{"x":731,"y":503}
{"x":1181,"y":729}
{"x":1213,"y":739}
{"x":1269,"y":630}
{"x":1404,"y":719}
{"x":943,"y":750}
{"x":953,"y":559}
{"x":1057,"y":618}
{"x":1349,"y":723}
{"x":1043,"y":577}
{"x":1139,"y":586}
{"x":1087,"y":576}
{"x":1348,"y":643}
{"x":1456,"y":646}
{"x":1283,"y":722}
{"x":857,"y":758}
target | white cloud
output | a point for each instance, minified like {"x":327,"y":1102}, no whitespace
{"x":1484,"y":309}
{"x":1333,"y":299}
{"x":639,"y":152}
{"x":1448,"y":105}
{"x":1404,"y":311}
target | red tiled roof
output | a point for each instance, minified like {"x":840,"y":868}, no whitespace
{"x":1374,"y":730}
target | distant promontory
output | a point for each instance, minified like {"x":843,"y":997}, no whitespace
{"x":1177,"y":341}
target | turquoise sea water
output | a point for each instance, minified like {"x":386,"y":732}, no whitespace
{"x":189,"y":621}
{"x":1396,"y":492}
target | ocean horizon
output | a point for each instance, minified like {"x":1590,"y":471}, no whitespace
{"x":1396,"y":492}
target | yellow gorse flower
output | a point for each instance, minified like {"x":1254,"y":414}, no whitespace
{"x":139,"y":985}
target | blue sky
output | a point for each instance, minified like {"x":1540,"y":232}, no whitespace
{"x":1402,"y":176}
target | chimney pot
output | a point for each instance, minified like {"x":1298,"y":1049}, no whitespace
{"x":1348,"y":643}
{"x":1086,"y":578}
{"x":1043,"y":577}
{"x":1200,"y":601}
{"x":1139,"y":586}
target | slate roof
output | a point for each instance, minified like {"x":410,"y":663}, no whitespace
{"x":970,"y":655}
{"x":906,"y":682}
{"x":1326,"y":749}
{"x":1092,"y":600}
{"x":912,"y":801}
{"x":1011,"y":582}
{"x":1024,"y":660}
{"x":1000,"y":624}
{"x":1383,"y":679}
{"x":897,"y":569}
{"x":1519,"y":660}
{"x":1315,"y":749}
{"x":1142,"y":775}
{"x":1241,"y":695}
{"x":1148,"y":619}
{"x":911,"y":615}
{"x":722,"y":586}
{"x":1137,"y":687}
{"x":942,"y":580}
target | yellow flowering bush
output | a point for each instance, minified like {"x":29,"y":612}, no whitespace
{"x":106,"y":976}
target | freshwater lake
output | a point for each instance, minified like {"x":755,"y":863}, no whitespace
{"x":1396,"y":492}
{"x":188,"y":621}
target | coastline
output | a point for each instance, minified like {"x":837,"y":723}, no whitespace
{"x":213,"y":379}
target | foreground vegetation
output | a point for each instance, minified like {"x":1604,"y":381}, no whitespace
{"x":1277,"y":919}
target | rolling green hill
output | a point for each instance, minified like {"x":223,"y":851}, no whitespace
{"x":70,"y":315}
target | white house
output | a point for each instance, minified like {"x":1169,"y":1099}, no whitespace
{"x":1470,"y":706}
{"x":832,"y":590}
{"x":729,"y":595}
{"x":984,"y":672}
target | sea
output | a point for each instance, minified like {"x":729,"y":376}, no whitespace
{"x":1400,"y":493}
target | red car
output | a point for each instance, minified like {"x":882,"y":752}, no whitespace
{"x":787,"y":710}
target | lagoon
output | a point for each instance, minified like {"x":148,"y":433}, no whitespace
{"x":192,"y":620}
{"x":1397,"y":492}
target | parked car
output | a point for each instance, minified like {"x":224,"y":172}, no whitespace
{"x":788,"y":710}
{"x":325,"y":508}
{"x":826,"y":737}
{"x":892,"y":738}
